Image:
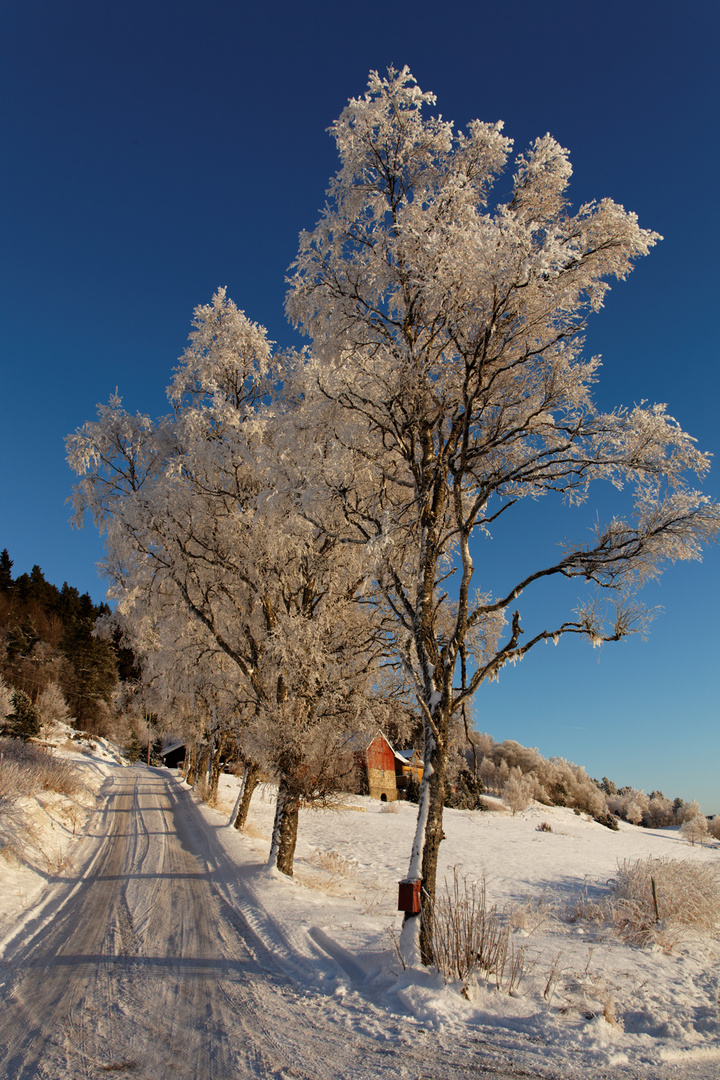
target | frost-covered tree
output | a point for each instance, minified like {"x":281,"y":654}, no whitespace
{"x":447,"y":325}
{"x":52,"y":707}
{"x":209,"y":555}
{"x":689,"y":811}
{"x":517,"y":792}
{"x":695,"y":829}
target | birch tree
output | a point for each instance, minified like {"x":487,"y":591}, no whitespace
{"x":446,"y":325}
{"x":200,"y":515}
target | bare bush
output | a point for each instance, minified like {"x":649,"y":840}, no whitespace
{"x":334,"y":862}
{"x":28,"y":769}
{"x":471,"y":938}
{"x":52,"y":706}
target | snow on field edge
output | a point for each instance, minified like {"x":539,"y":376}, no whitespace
{"x":586,"y":996}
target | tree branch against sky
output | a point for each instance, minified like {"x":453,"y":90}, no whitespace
{"x":447,"y":328}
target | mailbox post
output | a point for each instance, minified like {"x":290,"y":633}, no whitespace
{"x":409,"y":896}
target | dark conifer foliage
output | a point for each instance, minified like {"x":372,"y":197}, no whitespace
{"x":46,"y":635}
{"x":24,"y":722}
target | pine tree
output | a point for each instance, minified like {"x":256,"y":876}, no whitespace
{"x":24,"y":722}
{"x":6,"y":565}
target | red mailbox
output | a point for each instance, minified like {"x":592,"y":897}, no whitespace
{"x":409,"y":896}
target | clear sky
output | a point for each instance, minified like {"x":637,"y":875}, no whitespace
{"x":156,"y":149}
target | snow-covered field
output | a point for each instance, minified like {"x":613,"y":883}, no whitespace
{"x":587,"y":1002}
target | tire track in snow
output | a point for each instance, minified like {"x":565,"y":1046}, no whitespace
{"x":147,"y":971}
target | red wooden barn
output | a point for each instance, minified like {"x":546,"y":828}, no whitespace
{"x":375,"y":755}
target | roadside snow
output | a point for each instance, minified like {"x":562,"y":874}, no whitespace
{"x":42,"y":836}
{"x":588,"y":1004}
{"x":586,"y":999}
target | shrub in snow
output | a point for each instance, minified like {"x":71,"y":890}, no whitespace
{"x":687,"y":895}
{"x":608,"y":820}
{"x":714,"y":827}
{"x":469,"y":938}
{"x":517,"y":793}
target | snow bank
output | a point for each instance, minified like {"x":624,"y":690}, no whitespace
{"x":42,"y":836}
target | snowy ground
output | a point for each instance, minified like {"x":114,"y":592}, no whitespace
{"x":588,"y":1005}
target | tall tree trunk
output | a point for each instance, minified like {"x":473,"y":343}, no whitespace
{"x":191,"y":773}
{"x":215,"y":766}
{"x":241,"y":788}
{"x":252,"y":775}
{"x":202,"y":765}
{"x":285,"y":828}
{"x":428,"y":836}
{"x":433,"y":836}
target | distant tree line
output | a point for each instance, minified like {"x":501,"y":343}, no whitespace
{"x":521,"y":774}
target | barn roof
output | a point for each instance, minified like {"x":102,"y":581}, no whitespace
{"x":169,"y":749}
{"x":361,"y":740}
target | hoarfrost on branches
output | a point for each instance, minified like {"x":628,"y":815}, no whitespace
{"x":447,"y":327}
{"x":313,"y":518}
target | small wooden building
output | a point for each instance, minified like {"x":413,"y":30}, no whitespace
{"x":408,"y":764}
{"x":380,"y":765}
{"x":386,"y":770}
{"x":375,"y":764}
{"x":173,"y":755}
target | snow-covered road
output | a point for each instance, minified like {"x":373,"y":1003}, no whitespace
{"x":144,"y":969}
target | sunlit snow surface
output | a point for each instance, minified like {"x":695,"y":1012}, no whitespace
{"x":588,"y":1005}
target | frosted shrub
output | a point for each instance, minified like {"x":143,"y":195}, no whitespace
{"x":714,"y":827}
{"x":470,"y":938}
{"x":517,"y":793}
{"x":52,"y":706}
{"x":26,"y":770}
{"x":6,"y":705}
{"x":694,"y":830}
{"x":687,"y":894}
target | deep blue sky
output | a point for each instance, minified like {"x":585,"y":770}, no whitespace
{"x":154,"y":150}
